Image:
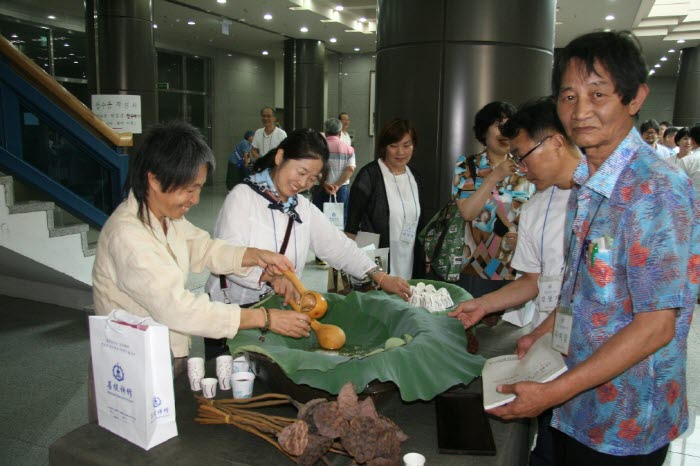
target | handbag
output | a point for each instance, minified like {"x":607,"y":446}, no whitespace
{"x":335,"y":212}
{"x":133,"y":378}
{"x":443,"y":242}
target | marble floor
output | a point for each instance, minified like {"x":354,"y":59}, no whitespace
{"x":44,"y":352}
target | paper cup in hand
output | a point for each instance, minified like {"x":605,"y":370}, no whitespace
{"x":224,"y":369}
{"x":195,"y":372}
{"x":240,"y":364}
{"x":242,"y":383}
{"x":413,"y":459}
{"x":209,"y":387}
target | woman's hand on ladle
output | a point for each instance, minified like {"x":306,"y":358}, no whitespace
{"x":396,"y":285}
{"x":289,"y":323}
{"x":273,"y":263}
{"x":283,"y":287}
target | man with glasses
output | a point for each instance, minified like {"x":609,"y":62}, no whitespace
{"x":268,"y":137}
{"x":547,"y":157}
{"x":632,"y":242}
{"x":651,"y":132}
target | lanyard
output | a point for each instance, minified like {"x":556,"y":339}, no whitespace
{"x":410,"y":187}
{"x":286,"y":237}
{"x":544,"y":224}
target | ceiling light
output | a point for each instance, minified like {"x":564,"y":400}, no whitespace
{"x":265,"y":52}
{"x":304,"y":29}
{"x":220,"y":1}
{"x":680,"y":41}
{"x":339,"y":8}
{"x":66,"y":44}
{"x":671,"y":50}
{"x":609,"y":18}
{"x":155,"y":26}
{"x":652,"y":72}
{"x":356,"y":49}
{"x":657,"y":66}
{"x":191,"y":23}
{"x":362,"y":19}
{"x":267,"y":16}
{"x":663,"y":58}
{"x":14,"y":36}
{"x":51,"y":17}
{"x":75,"y":62}
{"x":333,"y":40}
{"x":606,"y":30}
{"x":230,"y":55}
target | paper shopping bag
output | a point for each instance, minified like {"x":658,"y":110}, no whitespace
{"x":133,"y":378}
{"x":335,"y":213}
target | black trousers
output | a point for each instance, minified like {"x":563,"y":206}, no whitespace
{"x":570,"y":452}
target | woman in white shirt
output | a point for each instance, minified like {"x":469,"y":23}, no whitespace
{"x":385,"y":198}
{"x":266,"y":211}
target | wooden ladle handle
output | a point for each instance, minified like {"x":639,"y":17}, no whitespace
{"x":295,"y":281}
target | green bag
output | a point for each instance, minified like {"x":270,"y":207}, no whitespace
{"x":443,"y":242}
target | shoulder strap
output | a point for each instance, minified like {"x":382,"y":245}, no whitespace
{"x":471,"y":163}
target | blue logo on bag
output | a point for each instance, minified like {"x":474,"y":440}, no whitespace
{"x":118,"y":372}
{"x":156,"y":402}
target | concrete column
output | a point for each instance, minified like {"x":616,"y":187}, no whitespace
{"x":121,"y":52}
{"x":439,"y":62}
{"x":686,"y":111}
{"x":304,"y":78}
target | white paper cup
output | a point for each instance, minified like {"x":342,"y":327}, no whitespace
{"x":413,"y":459}
{"x":195,"y":367}
{"x":224,"y":369}
{"x":209,"y":387}
{"x":242,"y":383}
{"x":196,"y":383}
{"x":240,"y":364}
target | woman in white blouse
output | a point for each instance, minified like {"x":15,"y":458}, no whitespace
{"x":266,"y":211}
{"x":385,"y":198}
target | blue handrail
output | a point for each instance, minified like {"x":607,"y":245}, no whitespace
{"x":16,"y":93}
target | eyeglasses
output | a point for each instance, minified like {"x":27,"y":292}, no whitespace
{"x":519,"y":160}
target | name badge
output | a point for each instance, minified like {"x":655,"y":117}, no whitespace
{"x":408,"y":232}
{"x":549,"y":290}
{"x":562,"y":329}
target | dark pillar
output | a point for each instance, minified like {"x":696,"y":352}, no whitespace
{"x":686,"y":111}
{"x":439,"y":62}
{"x":304,"y":75}
{"x":121,"y":54}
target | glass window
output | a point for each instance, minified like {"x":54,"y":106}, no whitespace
{"x":33,"y":41}
{"x":69,"y":54}
{"x":195,"y":74}
{"x":170,"y":70}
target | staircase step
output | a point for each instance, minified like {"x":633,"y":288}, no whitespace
{"x":68,"y":230}
{"x":31,"y":206}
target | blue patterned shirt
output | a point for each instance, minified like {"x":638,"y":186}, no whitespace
{"x":633,"y":246}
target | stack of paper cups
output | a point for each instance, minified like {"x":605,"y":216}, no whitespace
{"x":242,"y":383}
{"x":240,"y":364}
{"x":195,"y":371}
{"x":224,"y":369}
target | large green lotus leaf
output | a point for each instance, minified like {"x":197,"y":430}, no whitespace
{"x":433,"y":359}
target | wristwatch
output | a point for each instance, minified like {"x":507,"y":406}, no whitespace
{"x":373,"y":271}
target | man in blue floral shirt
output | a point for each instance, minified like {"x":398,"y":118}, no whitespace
{"x":633,"y":267}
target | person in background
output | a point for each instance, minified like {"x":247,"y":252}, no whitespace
{"x":487,"y":182}
{"x":632,"y":238}
{"x":650,"y":132}
{"x":684,"y":144}
{"x":267,"y":210}
{"x":669,"y":139}
{"x":147,"y":248}
{"x":238,"y":161}
{"x":688,"y":159}
{"x":663,"y":126}
{"x":695,"y":136}
{"x":344,"y":136}
{"x":543,"y":151}
{"x":386,"y":198}
{"x":268,"y":137}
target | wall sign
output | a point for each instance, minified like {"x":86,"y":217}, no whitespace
{"x":120,"y":112}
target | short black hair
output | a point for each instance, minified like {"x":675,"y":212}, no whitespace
{"x":489,"y":114}
{"x":670,"y":131}
{"x":173,"y":152}
{"x":664,"y":123}
{"x":695,"y":133}
{"x":649,"y":124}
{"x":618,"y":52}
{"x":393,"y":131}
{"x":299,"y":144}
{"x":682,"y":132}
{"x":537,"y":117}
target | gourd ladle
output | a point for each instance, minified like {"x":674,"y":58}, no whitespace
{"x":330,"y":337}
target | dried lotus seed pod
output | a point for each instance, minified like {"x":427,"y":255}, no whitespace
{"x":294,"y":438}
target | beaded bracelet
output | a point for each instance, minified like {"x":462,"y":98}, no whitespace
{"x":266,"y":327}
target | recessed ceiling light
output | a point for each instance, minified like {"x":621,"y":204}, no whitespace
{"x":304,"y":29}
{"x":680,"y":41}
{"x":657,"y":66}
{"x":75,"y":62}
{"x":663,"y":58}
{"x":14,"y":36}
{"x":267,"y":16}
{"x":265,"y":52}
{"x":652,"y":72}
{"x":362,"y":19}
{"x":606,"y":30}
{"x":230,"y":55}
{"x":333,"y":39}
{"x":51,"y":17}
{"x":671,"y":50}
{"x":155,"y":26}
{"x":356,"y":49}
{"x":191,"y":23}
{"x":339,"y":8}
{"x":66,"y":44}
{"x":609,"y":17}
{"x":220,"y":1}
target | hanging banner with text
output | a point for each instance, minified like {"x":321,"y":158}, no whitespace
{"x":120,"y":112}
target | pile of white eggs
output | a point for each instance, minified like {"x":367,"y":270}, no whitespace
{"x":428,"y":297}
